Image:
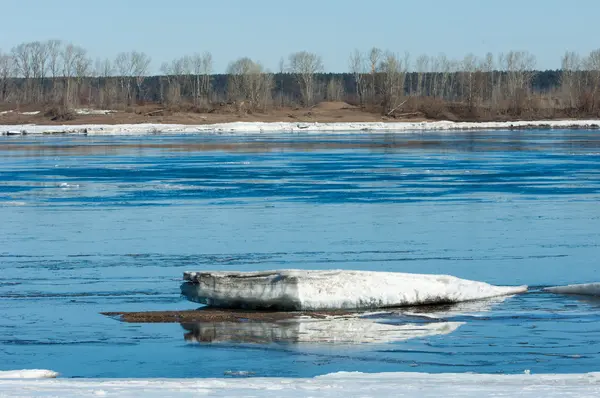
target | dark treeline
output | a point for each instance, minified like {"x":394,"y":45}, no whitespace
{"x":57,"y":74}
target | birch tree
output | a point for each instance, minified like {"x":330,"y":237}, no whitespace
{"x":304,"y":65}
{"x":357,"y":68}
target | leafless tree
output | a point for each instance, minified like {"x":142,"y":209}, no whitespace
{"x":393,"y":74}
{"x":304,"y":66}
{"x":357,"y":68}
{"x":7,"y":71}
{"x":569,"y":78}
{"x":249,"y":84}
{"x":335,"y":89}
{"x":422,"y":66}
{"x":132,"y":68}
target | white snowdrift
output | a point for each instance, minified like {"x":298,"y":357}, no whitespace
{"x":335,"y":385}
{"x":28,"y":374}
{"x":295,"y":290}
{"x":586,"y":289}
{"x":338,"y":330}
{"x":284,"y":127}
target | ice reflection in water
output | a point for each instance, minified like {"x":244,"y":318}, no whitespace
{"x":339,"y":330}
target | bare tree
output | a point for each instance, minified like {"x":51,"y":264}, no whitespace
{"x":304,"y":65}
{"x":335,"y":89}
{"x":357,"y":68}
{"x":7,"y":71}
{"x":132,"y":67}
{"x":422,"y":66}
{"x":54,"y":58}
{"x":39,"y":61}
{"x":569,"y":78}
{"x":393,"y":74}
{"x":249,"y":84}
{"x":22,"y":56}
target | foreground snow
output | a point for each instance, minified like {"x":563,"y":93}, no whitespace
{"x":28,"y":374}
{"x":283,"y":127}
{"x":337,"y":289}
{"x":586,"y":289}
{"x":332,"y":385}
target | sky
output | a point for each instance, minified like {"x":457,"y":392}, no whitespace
{"x":267,"y":30}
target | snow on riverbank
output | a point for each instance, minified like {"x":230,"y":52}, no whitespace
{"x":344,"y":385}
{"x":285,"y":127}
{"x":586,"y":289}
{"x":335,"y":289}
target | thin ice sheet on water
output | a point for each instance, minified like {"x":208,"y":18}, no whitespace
{"x":586,"y":289}
{"x":290,"y":290}
{"x":344,"y":385}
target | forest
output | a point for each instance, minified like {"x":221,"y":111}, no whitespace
{"x":58,"y":76}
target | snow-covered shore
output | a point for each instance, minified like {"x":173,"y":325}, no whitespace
{"x":287,"y":127}
{"x":332,"y":385}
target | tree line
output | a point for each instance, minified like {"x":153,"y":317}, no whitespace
{"x":57,"y":73}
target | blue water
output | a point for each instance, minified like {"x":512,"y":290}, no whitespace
{"x":91,"y":224}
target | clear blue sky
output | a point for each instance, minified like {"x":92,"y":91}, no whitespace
{"x":266,"y":30}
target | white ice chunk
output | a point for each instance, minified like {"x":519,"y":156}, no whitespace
{"x":338,"y":385}
{"x":28,"y":374}
{"x":296,"y":290}
{"x":586,"y":289}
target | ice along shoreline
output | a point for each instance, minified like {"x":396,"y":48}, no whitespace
{"x":341,"y":384}
{"x":289,"y":127}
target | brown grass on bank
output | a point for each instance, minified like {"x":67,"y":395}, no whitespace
{"x":412,"y":109}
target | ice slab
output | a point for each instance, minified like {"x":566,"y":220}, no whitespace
{"x":342,"y":385}
{"x":586,"y":289}
{"x":28,"y":374}
{"x":286,"y":127}
{"x":301,"y":290}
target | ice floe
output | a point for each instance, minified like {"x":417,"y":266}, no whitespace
{"x":299,"y":290}
{"x":286,"y":127}
{"x":28,"y":374}
{"x":586,"y":289}
{"x":343,"y":384}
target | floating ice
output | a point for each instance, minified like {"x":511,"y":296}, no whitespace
{"x":586,"y":289}
{"x":28,"y":374}
{"x":296,"y":290}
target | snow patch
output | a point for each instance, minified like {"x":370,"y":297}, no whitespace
{"x":299,"y":290}
{"x":86,"y":111}
{"x":28,"y":374}
{"x":337,"y":385}
{"x":288,"y":127}
{"x":586,"y":289}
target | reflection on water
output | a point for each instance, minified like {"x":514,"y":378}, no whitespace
{"x":339,"y":330}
